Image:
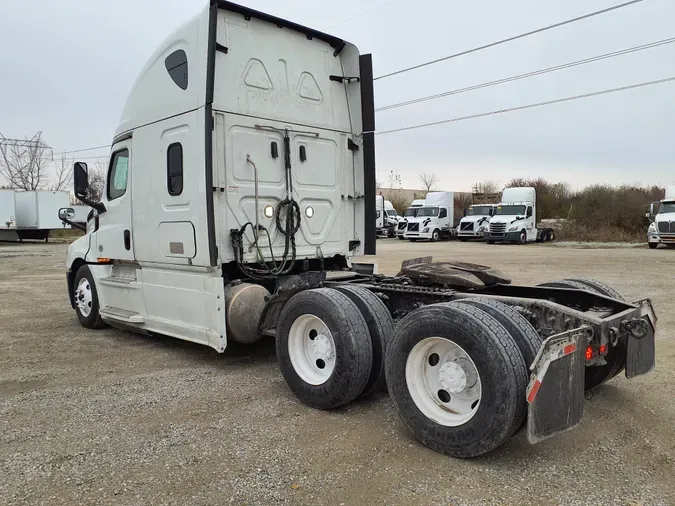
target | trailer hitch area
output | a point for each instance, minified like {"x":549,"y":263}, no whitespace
{"x":555,"y":394}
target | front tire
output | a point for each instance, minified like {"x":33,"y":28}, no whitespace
{"x":86,"y":299}
{"x":653,"y":245}
{"x":522,"y":238}
{"x":324,"y":348}
{"x":436,"y":235}
{"x":456,"y":379}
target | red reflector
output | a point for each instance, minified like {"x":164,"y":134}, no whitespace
{"x":570,"y":348}
{"x":603,"y":349}
{"x":589,"y":353}
{"x":533,"y":392}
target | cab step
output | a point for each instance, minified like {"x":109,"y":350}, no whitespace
{"x":121,"y":315}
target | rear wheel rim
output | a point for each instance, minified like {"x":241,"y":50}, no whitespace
{"x":443,"y":381}
{"x":311,"y":349}
{"x":84,"y":297}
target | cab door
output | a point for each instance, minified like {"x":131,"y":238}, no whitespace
{"x":114,"y":238}
{"x":530,"y":226}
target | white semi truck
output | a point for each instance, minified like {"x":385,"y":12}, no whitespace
{"x":515,"y":219}
{"x":386,"y":217}
{"x":476,"y":222}
{"x":411,"y":212}
{"x":246,"y":151}
{"x":434,"y":220}
{"x":662,"y":228}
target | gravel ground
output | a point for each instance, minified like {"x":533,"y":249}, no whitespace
{"x":109,"y":417}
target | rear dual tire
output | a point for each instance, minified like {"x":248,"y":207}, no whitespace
{"x":331,"y":345}
{"x":457,"y":379}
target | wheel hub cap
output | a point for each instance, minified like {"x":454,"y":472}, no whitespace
{"x":323,"y":347}
{"x":452,"y":377}
{"x":83,"y":297}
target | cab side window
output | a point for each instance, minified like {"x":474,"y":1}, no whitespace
{"x":443,"y":213}
{"x":118,"y":174}
{"x":529,"y":211}
{"x":174,"y":169}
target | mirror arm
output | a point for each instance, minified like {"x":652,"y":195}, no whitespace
{"x":99,"y":206}
{"x":74,"y":225}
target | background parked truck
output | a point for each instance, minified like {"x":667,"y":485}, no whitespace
{"x":434,"y":220}
{"x":476,"y":222}
{"x":411,"y":212}
{"x":386,"y":217}
{"x":515,"y":219}
{"x":662,"y":228}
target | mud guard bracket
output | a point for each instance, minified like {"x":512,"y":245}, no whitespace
{"x":555,"y":393}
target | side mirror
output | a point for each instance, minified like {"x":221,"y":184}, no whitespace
{"x":66,"y":213}
{"x":81,"y":179}
{"x":648,"y":215}
{"x":652,"y":209}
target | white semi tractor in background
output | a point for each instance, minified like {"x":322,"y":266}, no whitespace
{"x":515,"y":219}
{"x":476,"y":222}
{"x":386,"y":217}
{"x":434,"y":220}
{"x":411,"y":212}
{"x":662,"y":228}
{"x":246,"y":151}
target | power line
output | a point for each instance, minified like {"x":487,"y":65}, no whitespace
{"x":510,"y":39}
{"x":83,"y":149}
{"x":361,"y":14}
{"x":529,"y":74}
{"x":529,"y":106}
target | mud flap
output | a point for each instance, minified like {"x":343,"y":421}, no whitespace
{"x":555,"y":393}
{"x":641,"y":349}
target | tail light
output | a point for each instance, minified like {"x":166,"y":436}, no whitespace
{"x":589,"y":353}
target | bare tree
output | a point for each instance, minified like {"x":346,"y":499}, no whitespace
{"x":64,"y":175}
{"x":97,"y":173}
{"x":24,"y":165}
{"x":486,"y":187}
{"x":394,"y":180}
{"x":429,"y":181}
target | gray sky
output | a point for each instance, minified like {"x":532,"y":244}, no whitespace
{"x":67,"y":67}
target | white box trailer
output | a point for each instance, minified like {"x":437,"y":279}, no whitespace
{"x":7,"y":210}
{"x":37,"y":213}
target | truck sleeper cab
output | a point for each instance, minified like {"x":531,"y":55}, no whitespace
{"x":243,"y":173}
